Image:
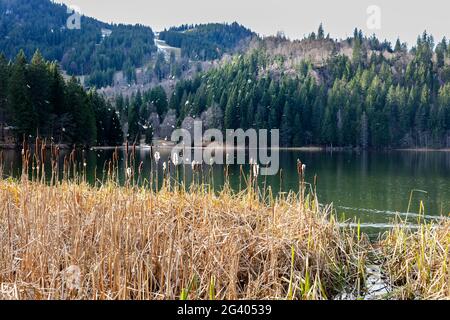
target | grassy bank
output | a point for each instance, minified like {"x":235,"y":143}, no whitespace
{"x":81,"y":242}
{"x":418,"y":263}
{"x":65,"y":239}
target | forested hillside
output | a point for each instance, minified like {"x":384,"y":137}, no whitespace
{"x":357,"y":92}
{"x":375,"y":97}
{"x":36,"y":101}
{"x":207,"y":41}
{"x":29,"y":25}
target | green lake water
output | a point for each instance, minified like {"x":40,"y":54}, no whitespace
{"x":372,"y":187}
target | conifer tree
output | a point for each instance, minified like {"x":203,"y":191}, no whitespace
{"x":19,"y":98}
{"x":3,"y":88}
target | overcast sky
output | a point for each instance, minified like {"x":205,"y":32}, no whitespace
{"x":295,"y":18}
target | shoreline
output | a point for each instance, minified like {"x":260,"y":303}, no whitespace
{"x":303,"y":149}
{"x":223,"y":147}
{"x":423,"y":150}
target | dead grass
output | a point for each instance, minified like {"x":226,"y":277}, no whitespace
{"x":417,"y":262}
{"x":74,"y":241}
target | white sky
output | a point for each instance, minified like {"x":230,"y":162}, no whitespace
{"x":295,"y":18}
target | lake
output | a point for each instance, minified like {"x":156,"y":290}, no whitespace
{"x":372,"y":187}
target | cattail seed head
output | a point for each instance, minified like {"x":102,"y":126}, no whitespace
{"x":175,"y":159}
{"x":157,"y":156}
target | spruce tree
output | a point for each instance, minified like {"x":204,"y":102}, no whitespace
{"x":287,"y":125}
{"x":19,"y":99}
{"x":133,"y":122}
{"x":84,"y":130}
{"x":38,"y":79}
{"x":320,"y":33}
{"x":115,"y":137}
{"x":3,"y":88}
{"x":398,"y":46}
{"x":158,"y":98}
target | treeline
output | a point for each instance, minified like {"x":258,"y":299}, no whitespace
{"x":206,"y":41}
{"x":368,"y":101}
{"x":36,"y":101}
{"x":41,"y":24}
{"x":141,"y":114}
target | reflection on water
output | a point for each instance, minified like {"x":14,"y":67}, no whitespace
{"x":372,"y":186}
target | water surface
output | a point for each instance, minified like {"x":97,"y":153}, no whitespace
{"x":372,"y":187}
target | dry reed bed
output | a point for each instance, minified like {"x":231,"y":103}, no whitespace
{"x":61,"y":239}
{"x":75,"y":241}
{"x":418,"y":262}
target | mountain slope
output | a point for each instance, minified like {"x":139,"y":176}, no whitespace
{"x":207,"y":41}
{"x":42,"y":24}
{"x":358,"y":92}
